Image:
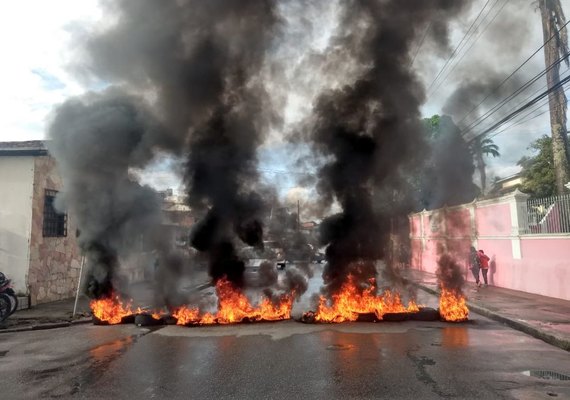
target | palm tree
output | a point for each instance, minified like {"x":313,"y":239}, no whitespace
{"x":483,"y":147}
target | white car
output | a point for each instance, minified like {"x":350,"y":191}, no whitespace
{"x":255,"y":260}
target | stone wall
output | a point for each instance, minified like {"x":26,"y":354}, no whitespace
{"x":55,"y":262}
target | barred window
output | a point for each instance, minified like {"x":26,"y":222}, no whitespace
{"x":55,"y":224}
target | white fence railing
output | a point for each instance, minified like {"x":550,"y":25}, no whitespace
{"x":547,"y":215}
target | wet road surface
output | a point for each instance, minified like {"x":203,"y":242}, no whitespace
{"x":283,"y":360}
{"x":411,"y":360}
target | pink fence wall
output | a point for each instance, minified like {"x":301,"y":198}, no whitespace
{"x":534,"y":263}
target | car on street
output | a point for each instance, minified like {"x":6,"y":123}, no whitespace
{"x":259,"y":264}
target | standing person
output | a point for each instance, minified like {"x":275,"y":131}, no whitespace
{"x":484,"y":262}
{"x":475,"y":264}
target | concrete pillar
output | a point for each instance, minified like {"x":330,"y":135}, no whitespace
{"x":519,"y":223}
{"x":473,"y":221}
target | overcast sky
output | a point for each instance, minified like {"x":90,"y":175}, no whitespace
{"x":39,"y":43}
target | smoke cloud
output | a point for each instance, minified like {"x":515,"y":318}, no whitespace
{"x":96,"y":139}
{"x":489,"y":61}
{"x":370,"y":130}
{"x":198,"y":65}
{"x":201,"y":81}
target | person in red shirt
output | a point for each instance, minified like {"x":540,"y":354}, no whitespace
{"x":484,"y":262}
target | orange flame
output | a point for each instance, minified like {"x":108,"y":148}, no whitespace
{"x":352,"y":301}
{"x":452,"y":306}
{"x":111,"y":309}
{"x":234,"y":306}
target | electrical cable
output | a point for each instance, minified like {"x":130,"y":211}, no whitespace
{"x":537,"y":107}
{"x":511,"y":74}
{"x":473,"y":43}
{"x":420,"y":44}
{"x":460,"y":43}
{"x":521,"y":109}
{"x":499,"y":105}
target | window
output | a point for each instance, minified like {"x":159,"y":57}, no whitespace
{"x":55,"y":224}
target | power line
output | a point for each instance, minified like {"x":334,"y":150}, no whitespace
{"x":521,"y":109}
{"x":524,"y":120}
{"x":519,"y":123}
{"x":511,"y":75}
{"x":526,"y":117}
{"x":499,"y":105}
{"x":474,"y":41}
{"x":456,"y":48}
{"x":543,"y":87}
{"x":420,"y":44}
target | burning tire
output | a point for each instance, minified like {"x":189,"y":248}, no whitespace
{"x":396,"y":317}
{"x":425,"y":314}
{"x":147,"y":320}
{"x":308,"y":318}
{"x":129,"y":319}
{"x":367,"y":317}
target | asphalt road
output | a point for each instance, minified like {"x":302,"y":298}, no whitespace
{"x":411,"y":360}
{"x":282,"y":360}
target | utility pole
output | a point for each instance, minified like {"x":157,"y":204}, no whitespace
{"x":552,"y":22}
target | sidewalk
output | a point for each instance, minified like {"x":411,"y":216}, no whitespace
{"x":49,"y":315}
{"x":59,"y":314}
{"x":543,"y":317}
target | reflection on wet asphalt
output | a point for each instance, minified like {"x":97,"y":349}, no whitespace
{"x":409,"y":360}
{"x":289,"y":359}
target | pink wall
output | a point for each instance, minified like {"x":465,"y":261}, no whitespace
{"x":532,"y":263}
{"x":493,"y":219}
{"x":458,"y":222}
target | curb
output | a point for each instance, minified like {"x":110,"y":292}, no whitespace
{"x":48,"y":325}
{"x":66,"y":324}
{"x":549,"y":338}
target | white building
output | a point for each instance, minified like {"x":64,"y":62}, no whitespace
{"x":38,"y":248}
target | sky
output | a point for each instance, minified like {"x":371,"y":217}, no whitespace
{"x":40,"y":47}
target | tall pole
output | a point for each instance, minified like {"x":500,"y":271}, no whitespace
{"x":552,"y":20}
{"x":78,"y":286}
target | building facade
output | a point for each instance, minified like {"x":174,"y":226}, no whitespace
{"x":38,"y":246}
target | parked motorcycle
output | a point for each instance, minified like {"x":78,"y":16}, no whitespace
{"x":8,"y":298}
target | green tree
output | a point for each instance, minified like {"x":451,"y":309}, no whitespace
{"x":539,"y":178}
{"x":480,"y":147}
{"x":433,"y":126}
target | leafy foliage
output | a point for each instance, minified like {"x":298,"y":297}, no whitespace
{"x":538,"y":170}
{"x":485,"y":146}
{"x":480,"y":147}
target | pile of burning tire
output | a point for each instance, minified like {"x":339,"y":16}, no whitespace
{"x":147,"y":319}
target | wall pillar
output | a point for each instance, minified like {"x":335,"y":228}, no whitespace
{"x":519,"y":224}
{"x":473,"y":222}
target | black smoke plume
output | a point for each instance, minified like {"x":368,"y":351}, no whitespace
{"x":371,"y":130}
{"x":96,"y":139}
{"x":198,"y":65}
{"x":449,"y":273}
{"x":480,"y":81}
